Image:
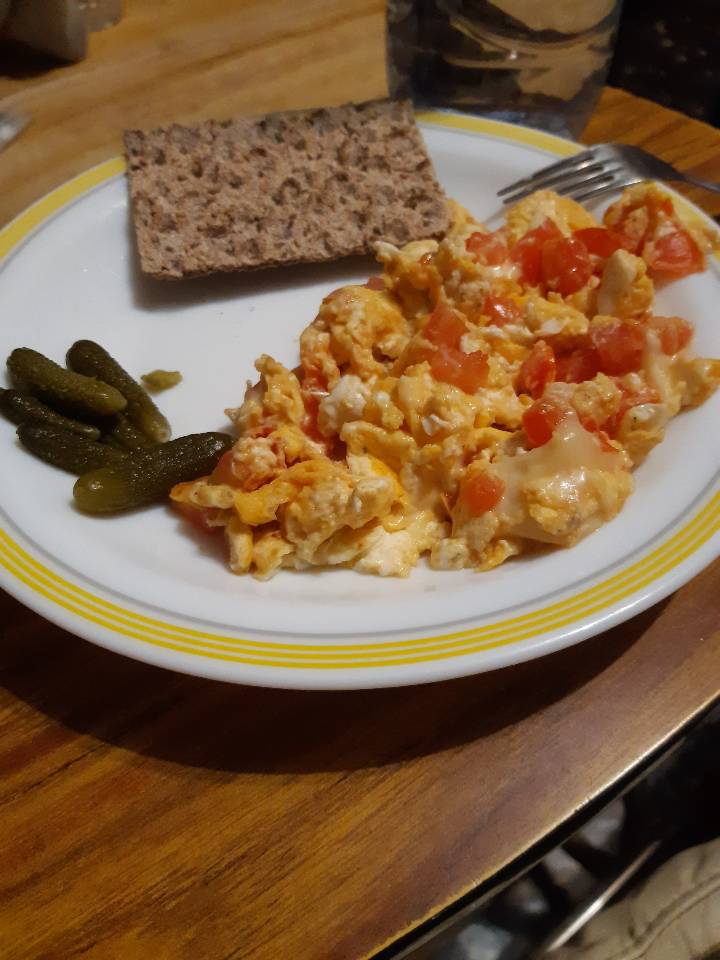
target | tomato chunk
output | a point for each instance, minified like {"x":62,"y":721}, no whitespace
{"x":604,"y":442}
{"x":527,"y":252}
{"x":674,"y":254}
{"x":537,"y":370}
{"x":223,"y":472}
{"x":577,"y":365}
{"x":598,"y":241}
{"x":445,"y":326}
{"x":375,"y":283}
{"x":467,"y":371}
{"x":541,"y":419}
{"x":500,"y":310}
{"x":488,"y":248}
{"x":650,"y":228}
{"x":566,"y":265}
{"x":482,"y":491}
{"x":674,"y":332}
{"x":619,"y":346}
{"x":634,"y":223}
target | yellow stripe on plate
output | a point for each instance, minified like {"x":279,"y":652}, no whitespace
{"x":504,"y":131}
{"x":564,"y":613}
{"x":81,"y":603}
{"x":38,"y":213}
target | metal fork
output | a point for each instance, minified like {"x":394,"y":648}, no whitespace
{"x":598,"y":170}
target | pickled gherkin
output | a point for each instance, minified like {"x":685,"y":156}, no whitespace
{"x":89,"y":358}
{"x":66,"y":450}
{"x":24,"y":408}
{"x":158,"y":380}
{"x":149,"y":475}
{"x":56,"y":385}
{"x":124,"y":435}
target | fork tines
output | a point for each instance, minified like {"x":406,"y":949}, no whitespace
{"x":583,"y":175}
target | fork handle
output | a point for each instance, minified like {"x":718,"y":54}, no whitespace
{"x":705,"y":184}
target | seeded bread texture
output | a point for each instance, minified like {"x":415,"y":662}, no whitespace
{"x":298,"y":187}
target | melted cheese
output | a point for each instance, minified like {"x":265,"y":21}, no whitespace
{"x":566,"y":461}
{"x":369,"y":452}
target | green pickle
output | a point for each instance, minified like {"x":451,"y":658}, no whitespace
{"x":23,"y":408}
{"x":149,"y":475}
{"x":56,"y":385}
{"x":125,"y":435}
{"x":158,"y":380}
{"x":89,"y":358}
{"x":66,"y":450}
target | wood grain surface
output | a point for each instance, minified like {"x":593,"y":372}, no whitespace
{"x":147,"y":814}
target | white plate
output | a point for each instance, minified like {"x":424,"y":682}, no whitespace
{"x":141,"y":585}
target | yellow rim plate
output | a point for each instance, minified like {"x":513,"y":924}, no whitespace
{"x":94,"y":614}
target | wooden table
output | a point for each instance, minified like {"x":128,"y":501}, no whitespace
{"x":146,"y":814}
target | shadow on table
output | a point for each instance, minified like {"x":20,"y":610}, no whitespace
{"x":204,"y":723}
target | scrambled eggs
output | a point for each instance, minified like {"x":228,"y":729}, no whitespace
{"x":488,"y":393}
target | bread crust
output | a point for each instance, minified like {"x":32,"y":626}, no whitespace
{"x":302,"y":186}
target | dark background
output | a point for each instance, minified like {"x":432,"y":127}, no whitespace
{"x":669,"y":51}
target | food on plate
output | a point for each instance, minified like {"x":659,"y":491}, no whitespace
{"x":116,"y":455}
{"x":23,"y":408}
{"x":647,"y":225}
{"x":157,"y":380}
{"x":66,"y":450}
{"x":148,"y":475}
{"x":89,"y":358}
{"x":117,"y":458}
{"x":296,"y":187}
{"x":58,"y":386}
{"x":490,"y":393}
{"x":122,"y":433}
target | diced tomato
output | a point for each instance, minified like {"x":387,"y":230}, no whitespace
{"x":311,"y":401}
{"x":482,"y":491}
{"x":488,"y":248}
{"x":313,"y":386}
{"x":527,"y":252}
{"x":537,"y":370}
{"x":223,"y":472}
{"x":590,"y":423}
{"x":577,"y":366}
{"x":619,"y":346}
{"x":599,"y":241}
{"x":467,"y":371}
{"x":630,"y":398}
{"x":635,"y":223}
{"x":445,"y":326}
{"x":674,"y":254}
{"x":199,"y":516}
{"x":674,"y":332}
{"x":500,"y":310}
{"x":566,"y":265}
{"x":650,"y":228}
{"x":375,"y":283}
{"x":541,"y":419}
{"x":632,"y":231}
{"x":604,"y":441}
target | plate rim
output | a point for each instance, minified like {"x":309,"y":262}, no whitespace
{"x":28,"y":579}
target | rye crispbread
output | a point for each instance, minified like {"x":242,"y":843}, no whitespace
{"x":298,"y":187}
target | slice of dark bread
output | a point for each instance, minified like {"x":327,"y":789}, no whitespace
{"x":295,"y":187}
